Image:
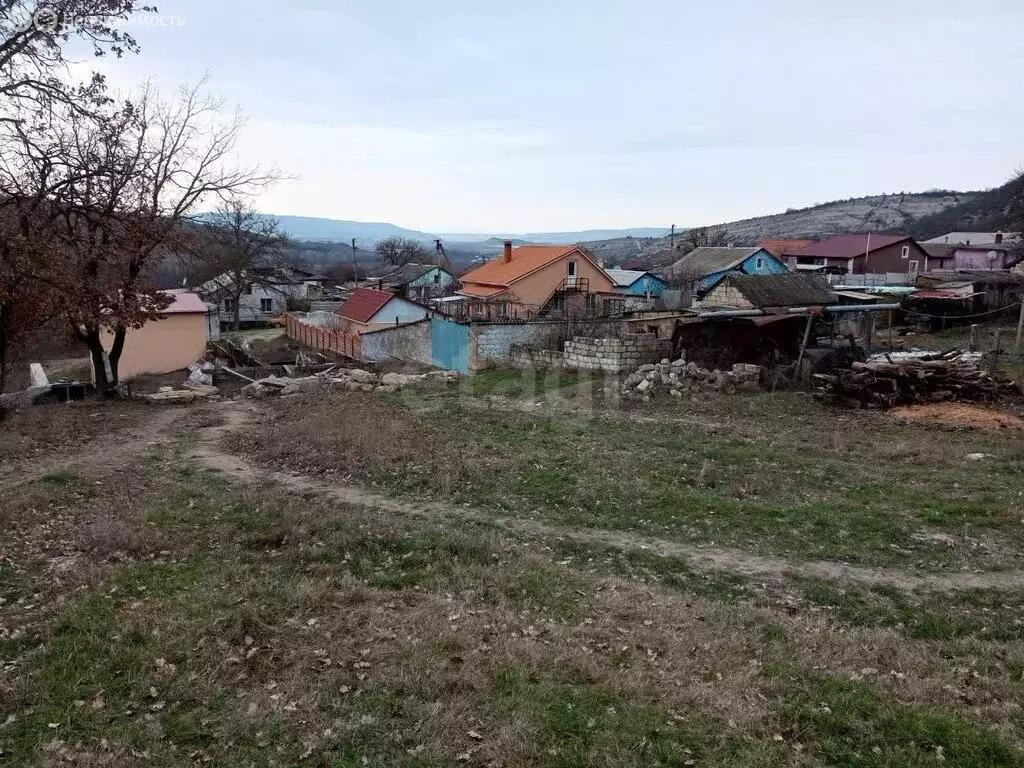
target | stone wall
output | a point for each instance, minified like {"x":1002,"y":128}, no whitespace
{"x":491,"y":343}
{"x":583,"y":353}
{"x":403,"y":342}
{"x":615,"y":355}
{"x":530,"y":359}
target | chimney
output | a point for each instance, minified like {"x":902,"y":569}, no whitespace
{"x":999,"y":238}
{"x":507,"y":257}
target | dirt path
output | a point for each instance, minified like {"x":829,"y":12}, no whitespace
{"x":208,"y":452}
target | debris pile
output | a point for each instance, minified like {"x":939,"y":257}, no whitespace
{"x":353,"y":380}
{"x":190,"y":393}
{"x":928,"y":378}
{"x":678,"y":377}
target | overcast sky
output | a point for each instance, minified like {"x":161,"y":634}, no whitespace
{"x":461,"y":116}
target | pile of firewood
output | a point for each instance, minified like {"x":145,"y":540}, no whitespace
{"x":930,"y":378}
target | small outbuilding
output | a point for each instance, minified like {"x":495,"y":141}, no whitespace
{"x":169,"y":343}
{"x":793,"y":289}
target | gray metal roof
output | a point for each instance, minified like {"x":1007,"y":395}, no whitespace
{"x":972,"y":238}
{"x":705,"y":261}
{"x":624,"y":278}
{"x":794,"y":289}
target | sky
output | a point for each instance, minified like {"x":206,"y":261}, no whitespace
{"x":454,"y":116}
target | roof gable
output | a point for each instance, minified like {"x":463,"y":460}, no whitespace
{"x":364,"y":304}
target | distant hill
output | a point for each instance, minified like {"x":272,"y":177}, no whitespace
{"x":337,"y":230}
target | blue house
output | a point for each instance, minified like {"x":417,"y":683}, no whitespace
{"x":637,"y":282}
{"x":704,"y":268}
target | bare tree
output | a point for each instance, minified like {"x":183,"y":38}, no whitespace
{"x":231,"y":243}
{"x":702,"y":237}
{"x":35,"y":85}
{"x":33,"y":36}
{"x":395,"y":251}
{"x":130,"y":177}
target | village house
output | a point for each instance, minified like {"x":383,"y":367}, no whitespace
{"x":862,"y":254}
{"x":637,"y":282}
{"x":793,"y":289}
{"x":973,"y":251}
{"x":267,"y":292}
{"x":704,"y":268}
{"x":169,"y":343}
{"x":417,"y":281}
{"x":370,"y":309}
{"x":534,"y":281}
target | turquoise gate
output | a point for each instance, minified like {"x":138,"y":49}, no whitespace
{"x":449,"y":342}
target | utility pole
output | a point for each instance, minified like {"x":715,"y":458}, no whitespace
{"x":355,"y":266}
{"x":672,"y":237}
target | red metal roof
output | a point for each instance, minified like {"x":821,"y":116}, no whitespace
{"x":848,"y":246}
{"x":364,"y":304}
{"x":184,"y":303}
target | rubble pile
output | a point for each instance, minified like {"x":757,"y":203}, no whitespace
{"x":929,"y":378}
{"x":352,"y":380}
{"x":678,"y":377}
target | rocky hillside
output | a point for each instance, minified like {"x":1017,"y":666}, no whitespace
{"x":879,"y":213}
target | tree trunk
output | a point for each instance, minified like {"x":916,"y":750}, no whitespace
{"x":5,"y":335}
{"x":114,"y":357}
{"x":104,"y":385}
{"x":238,"y":301}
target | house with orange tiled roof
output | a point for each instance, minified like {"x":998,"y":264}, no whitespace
{"x":537,"y":281}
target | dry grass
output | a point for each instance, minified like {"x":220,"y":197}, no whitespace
{"x":240,"y":625}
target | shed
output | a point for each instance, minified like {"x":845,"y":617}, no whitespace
{"x":762,"y":291}
{"x":169,"y":343}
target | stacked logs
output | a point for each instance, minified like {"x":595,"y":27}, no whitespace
{"x":930,"y":378}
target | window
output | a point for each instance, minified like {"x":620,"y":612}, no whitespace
{"x":591,"y":302}
{"x":912,"y":268}
{"x":229,"y":305}
{"x":906,"y":252}
{"x":502,"y":309}
{"x":571,"y":280}
{"x":759,"y":264}
{"x":437,"y":279}
{"x":248,"y":289}
{"x":266,"y":305}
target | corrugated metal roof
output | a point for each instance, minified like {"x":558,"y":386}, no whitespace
{"x":794,"y":289}
{"x":957,"y":238}
{"x":848,"y":246}
{"x":781,"y":246}
{"x":364,"y":304}
{"x":184,"y":303}
{"x":623,"y":278}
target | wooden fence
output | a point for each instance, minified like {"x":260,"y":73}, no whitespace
{"x":324,"y":339}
